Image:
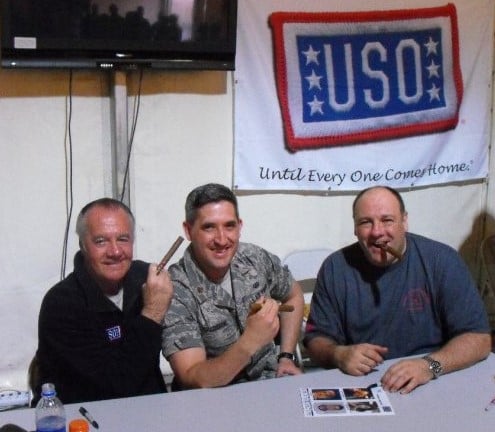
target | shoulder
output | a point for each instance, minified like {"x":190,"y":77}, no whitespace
{"x":429,"y":246}
{"x":62,"y":297}
{"x":249,"y":252}
{"x":185,"y":268}
{"x":347,"y":255}
{"x":185,"y":275}
{"x":440,"y":258}
{"x":67,"y":287}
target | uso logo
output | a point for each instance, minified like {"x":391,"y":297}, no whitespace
{"x":346,"y":78}
{"x":113,"y":333}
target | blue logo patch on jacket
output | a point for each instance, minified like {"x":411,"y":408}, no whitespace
{"x":113,"y":333}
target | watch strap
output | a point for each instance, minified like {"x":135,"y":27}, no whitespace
{"x":286,"y":355}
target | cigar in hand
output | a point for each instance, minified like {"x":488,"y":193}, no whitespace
{"x":255,"y":307}
{"x":168,"y":255}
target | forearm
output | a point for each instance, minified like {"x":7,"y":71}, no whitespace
{"x":322,"y":351}
{"x":463,"y":351}
{"x":290,"y":324}
{"x":215,"y":372}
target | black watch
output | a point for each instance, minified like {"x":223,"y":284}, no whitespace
{"x":287,"y":355}
{"x":435,"y":366}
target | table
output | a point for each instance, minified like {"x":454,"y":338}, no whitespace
{"x":454,"y":402}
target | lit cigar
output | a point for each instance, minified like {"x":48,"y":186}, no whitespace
{"x":169,"y":254}
{"x":255,"y":307}
{"x":390,"y":250}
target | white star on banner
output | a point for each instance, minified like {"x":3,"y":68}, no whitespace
{"x":311,"y":55}
{"x":433,"y":70}
{"x":316,"y":106}
{"x":434,"y":92}
{"x":314,"y":80}
{"x":431,"y":47}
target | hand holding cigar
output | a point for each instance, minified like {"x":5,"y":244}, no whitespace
{"x":390,"y":250}
{"x":255,"y":307}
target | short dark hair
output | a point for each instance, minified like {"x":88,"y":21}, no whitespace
{"x":108,"y":203}
{"x":206,"y":194}
{"x":396,"y":194}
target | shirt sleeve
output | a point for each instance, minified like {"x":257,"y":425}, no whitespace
{"x":324,"y":313}
{"x":181,"y":329}
{"x":459,"y":302}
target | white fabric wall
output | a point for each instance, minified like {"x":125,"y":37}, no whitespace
{"x":183,"y":139}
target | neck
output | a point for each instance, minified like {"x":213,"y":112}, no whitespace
{"x":111,"y":290}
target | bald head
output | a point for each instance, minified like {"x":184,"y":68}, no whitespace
{"x":392,"y":191}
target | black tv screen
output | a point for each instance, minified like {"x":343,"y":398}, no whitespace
{"x":119,"y":34}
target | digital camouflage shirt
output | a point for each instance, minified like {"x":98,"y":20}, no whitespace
{"x":203,"y":314}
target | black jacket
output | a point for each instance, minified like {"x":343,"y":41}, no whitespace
{"x":89,"y":348}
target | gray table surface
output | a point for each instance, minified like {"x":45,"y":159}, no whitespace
{"x":454,"y":402}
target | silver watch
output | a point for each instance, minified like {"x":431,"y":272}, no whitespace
{"x":434,"y":366}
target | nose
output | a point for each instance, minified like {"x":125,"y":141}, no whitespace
{"x":377,"y":229}
{"x":220,"y":236}
{"x":114,"y":249}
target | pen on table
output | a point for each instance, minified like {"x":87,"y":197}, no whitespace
{"x":169,"y":254}
{"x":88,"y":417}
{"x":490,"y":405}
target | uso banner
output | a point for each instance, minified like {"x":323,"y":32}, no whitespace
{"x":381,"y":92}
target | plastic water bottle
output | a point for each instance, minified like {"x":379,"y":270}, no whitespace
{"x":50,"y":413}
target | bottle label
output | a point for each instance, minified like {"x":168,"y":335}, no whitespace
{"x":50,"y":429}
{"x":51,"y":424}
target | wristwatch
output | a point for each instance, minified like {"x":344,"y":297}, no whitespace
{"x":287,"y":355}
{"x":434,"y":366}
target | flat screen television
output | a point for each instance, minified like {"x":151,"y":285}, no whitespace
{"x":119,"y":34}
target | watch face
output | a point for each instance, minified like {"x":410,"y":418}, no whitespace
{"x":434,"y":366}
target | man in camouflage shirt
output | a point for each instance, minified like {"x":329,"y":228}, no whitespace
{"x":210,"y":337}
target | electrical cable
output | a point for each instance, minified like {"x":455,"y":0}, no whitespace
{"x":69,"y":194}
{"x":135,"y":113}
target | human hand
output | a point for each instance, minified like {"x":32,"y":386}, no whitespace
{"x":405,"y":375}
{"x":287,"y":367}
{"x":262,"y":326}
{"x":359,"y":359}
{"x":157,"y":294}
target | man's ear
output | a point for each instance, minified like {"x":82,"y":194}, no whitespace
{"x":187,"y":230}
{"x":405,"y":221}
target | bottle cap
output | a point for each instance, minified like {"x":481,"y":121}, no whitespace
{"x":78,"y":425}
{"x":48,"y":389}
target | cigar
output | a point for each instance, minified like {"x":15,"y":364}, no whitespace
{"x":255,"y":307}
{"x":169,"y":254}
{"x":390,"y":250}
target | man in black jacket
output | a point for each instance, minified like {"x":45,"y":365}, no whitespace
{"x":99,"y":329}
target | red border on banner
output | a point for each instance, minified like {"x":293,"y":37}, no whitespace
{"x":277,"y":21}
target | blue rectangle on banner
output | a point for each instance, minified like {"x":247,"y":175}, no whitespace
{"x":360,"y":76}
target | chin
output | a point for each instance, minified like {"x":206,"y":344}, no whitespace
{"x":114,"y":277}
{"x":377,"y":262}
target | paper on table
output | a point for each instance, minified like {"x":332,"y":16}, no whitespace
{"x":345,"y":401}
